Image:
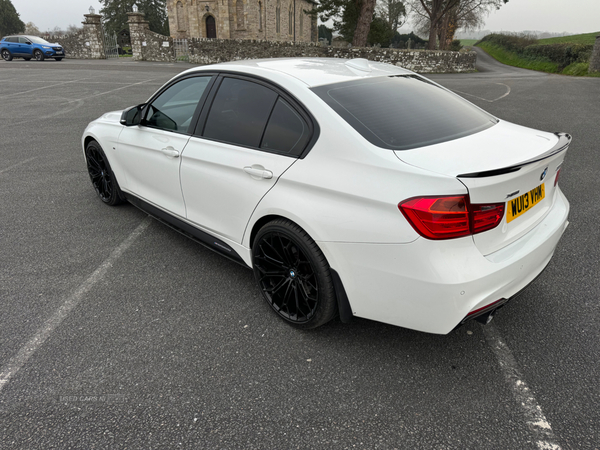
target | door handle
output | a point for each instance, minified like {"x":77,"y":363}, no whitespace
{"x":170,"y":151}
{"x":257,"y":172}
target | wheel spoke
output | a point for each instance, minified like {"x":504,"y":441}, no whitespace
{"x":266,"y":256}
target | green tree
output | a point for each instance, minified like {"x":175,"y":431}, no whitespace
{"x":10,"y":22}
{"x":393,"y":11}
{"x":352,"y":18}
{"x":325,"y":33}
{"x":115,"y":14}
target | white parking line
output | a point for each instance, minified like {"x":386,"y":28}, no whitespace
{"x":25,"y":161}
{"x":485,"y":99}
{"x":44,"y":87}
{"x":113,"y":90}
{"x":18,"y":361}
{"x":536,"y":421}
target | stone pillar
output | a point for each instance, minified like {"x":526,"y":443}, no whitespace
{"x":94,"y":40}
{"x":595,"y":59}
{"x":137,"y":32}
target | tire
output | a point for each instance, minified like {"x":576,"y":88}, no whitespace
{"x":58,"y":59}
{"x":6,"y":55}
{"x":27,"y":59}
{"x":101,"y":175}
{"x":293,"y":275}
{"x":38,"y":55}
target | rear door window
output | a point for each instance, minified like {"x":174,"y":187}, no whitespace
{"x":239,"y":112}
{"x":287,"y":132}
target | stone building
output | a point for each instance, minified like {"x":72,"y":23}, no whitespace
{"x":273,"y":20}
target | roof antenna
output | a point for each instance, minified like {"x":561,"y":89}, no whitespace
{"x":359,"y":64}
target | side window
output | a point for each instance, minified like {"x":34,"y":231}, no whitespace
{"x":239,"y":112}
{"x":287,"y":132}
{"x":22,"y":40}
{"x":174,"y":109}
{"x":12,"y":39}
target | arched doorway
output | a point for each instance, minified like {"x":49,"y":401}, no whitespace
{"x":211,"y":28}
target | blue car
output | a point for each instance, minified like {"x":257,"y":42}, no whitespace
{"x":28,"y":47}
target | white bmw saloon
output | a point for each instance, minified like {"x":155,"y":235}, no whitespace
{"x":349,"y":187}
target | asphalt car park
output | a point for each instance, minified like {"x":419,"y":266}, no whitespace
{"x":118,"y":332}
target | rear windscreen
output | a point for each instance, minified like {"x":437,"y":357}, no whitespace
{"x":403,"y":112}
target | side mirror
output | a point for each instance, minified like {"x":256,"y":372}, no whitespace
{"x":28,"y":43}
{"x":132,"y":116}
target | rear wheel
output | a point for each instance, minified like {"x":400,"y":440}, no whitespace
{"x":101,"y":175}
{"x":39,"y":56}
{"x":293,"y":275}
{"x":6,"y":55}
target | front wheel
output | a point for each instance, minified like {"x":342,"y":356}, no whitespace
{"x":27,"y":59}
{"x":293,"y":275}
{"x":6,"y":55}
{"x":39,"y":56}
{"x":58,"y":59}
{"x":102,"y":177}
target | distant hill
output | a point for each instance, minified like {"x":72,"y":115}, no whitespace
{"x":587,"y":38}
{"x":536,"y":33}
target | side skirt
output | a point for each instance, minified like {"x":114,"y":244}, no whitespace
{"x":199,"y":236}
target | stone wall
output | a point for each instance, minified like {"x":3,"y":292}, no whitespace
{"x":210,"y":51}
{"x":87,"y":43}
{"x":595,"y":59}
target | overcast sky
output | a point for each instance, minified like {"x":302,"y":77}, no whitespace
{"x":575,"y":16}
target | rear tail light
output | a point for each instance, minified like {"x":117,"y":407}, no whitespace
{"x":450,"y":217}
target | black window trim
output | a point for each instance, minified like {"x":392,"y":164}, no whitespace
{"x":199,"y":106}
{"x":313,"y":125}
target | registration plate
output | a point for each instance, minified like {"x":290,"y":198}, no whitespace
{"x":59,"y":53}
{"x":520,"y":205}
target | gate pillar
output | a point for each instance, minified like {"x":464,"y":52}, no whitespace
{"x":595,"y":59}
{"x":92,"y":28}
{"x":138,"y":27}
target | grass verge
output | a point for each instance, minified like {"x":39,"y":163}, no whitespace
{"x":512,"y":59}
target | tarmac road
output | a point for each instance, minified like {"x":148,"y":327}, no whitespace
{"x":117,"y":332}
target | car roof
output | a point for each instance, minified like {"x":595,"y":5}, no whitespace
{"x":312,"y":71}
{"x":19,"y":35}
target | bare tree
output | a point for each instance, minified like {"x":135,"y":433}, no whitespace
{"x":32,"y":30}
{"x":441,"y":18}
{"x":73,"y":29}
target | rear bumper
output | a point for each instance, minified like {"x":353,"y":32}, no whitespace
{"x":432,"y":286}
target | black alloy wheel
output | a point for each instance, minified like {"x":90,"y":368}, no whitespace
{"x":293,"y":275}
{"x":39,"y":56}
{"x":101,"y":175}
{"x":6,"y":55}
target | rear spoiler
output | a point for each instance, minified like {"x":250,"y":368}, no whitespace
{"x":564,"y":139}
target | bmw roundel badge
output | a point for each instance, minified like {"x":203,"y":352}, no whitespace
{"x":544,"y":174}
